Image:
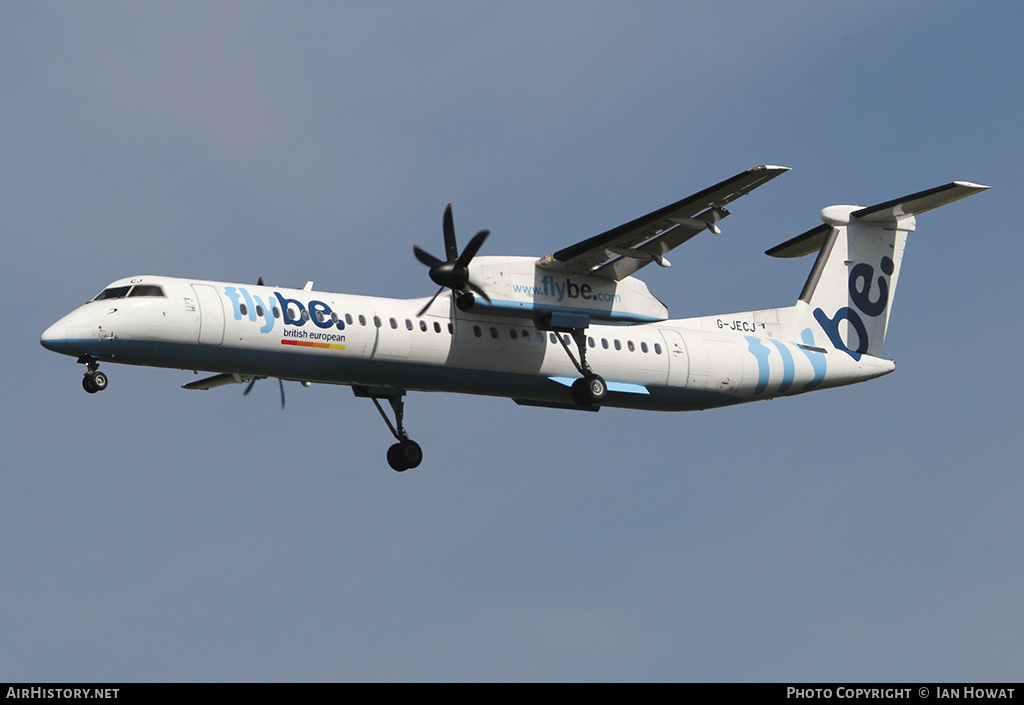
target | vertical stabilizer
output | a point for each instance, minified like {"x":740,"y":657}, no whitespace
{"x":848,"y":294}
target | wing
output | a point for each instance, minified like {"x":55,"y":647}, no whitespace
{"x":621,"y":251}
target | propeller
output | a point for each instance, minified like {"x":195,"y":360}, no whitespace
{"x":452,"y":273}
{"x":252,"y":381}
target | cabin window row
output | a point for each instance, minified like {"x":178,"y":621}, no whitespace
{"x":514,"y":333}
{"x":524,"y":335}
{"x":349,"y":318}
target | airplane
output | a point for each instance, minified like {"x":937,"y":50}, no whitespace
{"x":571,"y":330}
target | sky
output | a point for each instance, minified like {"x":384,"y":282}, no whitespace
{"x":870,"y":533}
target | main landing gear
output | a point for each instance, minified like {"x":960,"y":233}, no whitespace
{"x":406,"y":454}
{"x":590,"y":389}
{"x":94,"y":380}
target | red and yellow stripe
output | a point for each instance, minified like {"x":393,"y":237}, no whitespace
{"x":308,"y":344}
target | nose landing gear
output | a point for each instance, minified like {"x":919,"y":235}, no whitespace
{"x":94,"y":380}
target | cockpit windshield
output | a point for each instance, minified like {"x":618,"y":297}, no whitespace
{"x":146,"y":290}
{"x":119,"y":292}
{"x":114,"y":292}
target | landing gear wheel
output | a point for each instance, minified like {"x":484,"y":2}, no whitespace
{"x":94,"y":381}
{"x":404,"y":455}
{"x":589,"y":390}
{"x":99,"y":380}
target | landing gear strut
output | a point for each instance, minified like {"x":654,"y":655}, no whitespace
{"x":590,"y":389}
{"x":406,"y":454}
{"x":94,"y":380}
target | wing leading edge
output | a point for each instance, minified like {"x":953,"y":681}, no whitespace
{"x":621,"y":251}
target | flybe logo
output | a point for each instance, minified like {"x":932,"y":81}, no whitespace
{"x":292,"y":312}
{"x":862,"y":276}
{"x":549,"y":287}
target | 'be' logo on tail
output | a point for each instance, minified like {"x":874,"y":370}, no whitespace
{"x":862,"y":276}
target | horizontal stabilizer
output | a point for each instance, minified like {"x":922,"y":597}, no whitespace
{"x":893,"y":211}
{"x":810,"y":241}
{"x":888,"y":213}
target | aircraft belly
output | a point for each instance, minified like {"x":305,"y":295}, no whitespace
{"x":333,"y":369}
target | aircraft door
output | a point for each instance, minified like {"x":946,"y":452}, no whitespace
{"x":211,"y":315}
{"x":678,"y":359}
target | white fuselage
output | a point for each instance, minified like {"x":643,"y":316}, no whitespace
{"x":320,"y":337}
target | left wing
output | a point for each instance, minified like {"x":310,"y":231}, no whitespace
{"x":621,"y":251}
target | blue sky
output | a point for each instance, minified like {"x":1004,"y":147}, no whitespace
{"x":148,"y":533}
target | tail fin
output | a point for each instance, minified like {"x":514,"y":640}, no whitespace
{"x":848,"y":295}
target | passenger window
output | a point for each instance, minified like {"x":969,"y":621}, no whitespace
{"x":277,"y":312}
{"x":618,"y":345}
{"x":604,"y":343}
{"x":423,"y":326}
{"x":513,"y":334}
{"x":590,"y":341}
{"x":408,"y":324}
{"x":348,"y":319}
{"x":526,"y":335}
{"x":437,"y":327}
{"x":376,"y":321}
{"x":657,"y":348}
{"x":305,"y":315}
{"x":494,"y":332}
{"x":394,"y":323}
{"x":259,"y":310}
{"x":643,"y":347}
{"x":362,"y":320}
{"x":629,"y":344}
{"x":477,"y":332}
{"x":244,"y":309}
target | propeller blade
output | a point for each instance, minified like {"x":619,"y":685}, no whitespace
{"x":478,"y":291}
{"x":430,"y":303}
{"x":471,"y":249}
{"x":452,"y":273}
{"x":425,"y":257}
{"x":280,"y":383}
{"x":248,"y":387}
{"x":450,"y":247}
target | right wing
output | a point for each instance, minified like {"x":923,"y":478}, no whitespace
{"x":621,"y":251}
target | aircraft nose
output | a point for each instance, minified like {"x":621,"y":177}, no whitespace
{"x":55,"y":337}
